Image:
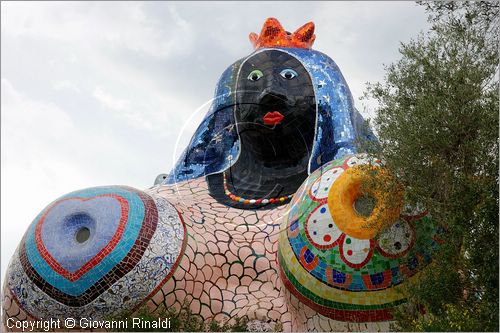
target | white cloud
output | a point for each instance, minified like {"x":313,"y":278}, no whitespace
{"x":20,"y":113}
{"x":125,"y":25}
{"x":66,"y":85}
{"x":33,"y":171}
{"x":110,"y":101}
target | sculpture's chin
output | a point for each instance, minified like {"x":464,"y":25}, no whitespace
{"x":272,"y":163}
{"x":261,"y":178}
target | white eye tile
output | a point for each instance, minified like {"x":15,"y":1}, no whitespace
{"x":321,"y":229}
{"x":396,"y":240}
{"x":356,"y":251}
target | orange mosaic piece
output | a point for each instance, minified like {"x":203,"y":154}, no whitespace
{"x":348,"y":188}
{"x":273,"y":35}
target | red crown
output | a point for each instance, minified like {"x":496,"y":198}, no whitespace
{"x":273,"y":35}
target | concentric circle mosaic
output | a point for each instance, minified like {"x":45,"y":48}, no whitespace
{"x":95,"y":252}
{"x":337,"y":274}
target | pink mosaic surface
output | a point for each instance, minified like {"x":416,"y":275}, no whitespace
{"x":229,"y":268}
{"x":233,"y":269}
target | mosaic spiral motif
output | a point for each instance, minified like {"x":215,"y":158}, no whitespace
{"x":95,"y":252}
{"x":338,"y":275}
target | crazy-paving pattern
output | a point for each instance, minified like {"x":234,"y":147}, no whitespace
{"x":134,"y":243}
{"x":341,"y":276}
{"x":230,"y":266}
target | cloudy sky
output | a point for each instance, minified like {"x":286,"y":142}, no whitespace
{"x":100,"y":93}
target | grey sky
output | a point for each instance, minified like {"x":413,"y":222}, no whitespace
{"x":97,"y":93}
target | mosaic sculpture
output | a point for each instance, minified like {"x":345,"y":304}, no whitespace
{"x":259,"y":218}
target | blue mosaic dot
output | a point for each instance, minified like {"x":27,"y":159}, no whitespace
{"x":377,"y":278}
{"x":338,"y":277}
{"x":308,"y":256}
{"x":322,"y":210}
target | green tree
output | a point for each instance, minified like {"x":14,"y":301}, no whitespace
{"x":437,"y":122}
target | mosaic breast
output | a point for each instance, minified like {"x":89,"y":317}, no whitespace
{"x":343,"y":262}
{"x":94,"y":252}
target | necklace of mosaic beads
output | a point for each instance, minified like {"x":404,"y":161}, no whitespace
{"x":252,"y":201}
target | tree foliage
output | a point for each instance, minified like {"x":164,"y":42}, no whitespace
{"x":437,"y":123}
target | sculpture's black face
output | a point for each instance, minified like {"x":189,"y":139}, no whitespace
{"x":275,"y":115}
{"x":274,"y":91}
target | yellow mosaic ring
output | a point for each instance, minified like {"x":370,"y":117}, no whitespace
{"x":364,"y":182}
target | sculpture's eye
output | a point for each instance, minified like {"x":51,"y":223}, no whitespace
{"x":255,"y":75}
{"x":288,"y":73}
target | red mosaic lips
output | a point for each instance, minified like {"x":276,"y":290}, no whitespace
{"x":273,"y":118}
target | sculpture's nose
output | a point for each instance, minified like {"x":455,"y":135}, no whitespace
{"x":273,"y":96}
